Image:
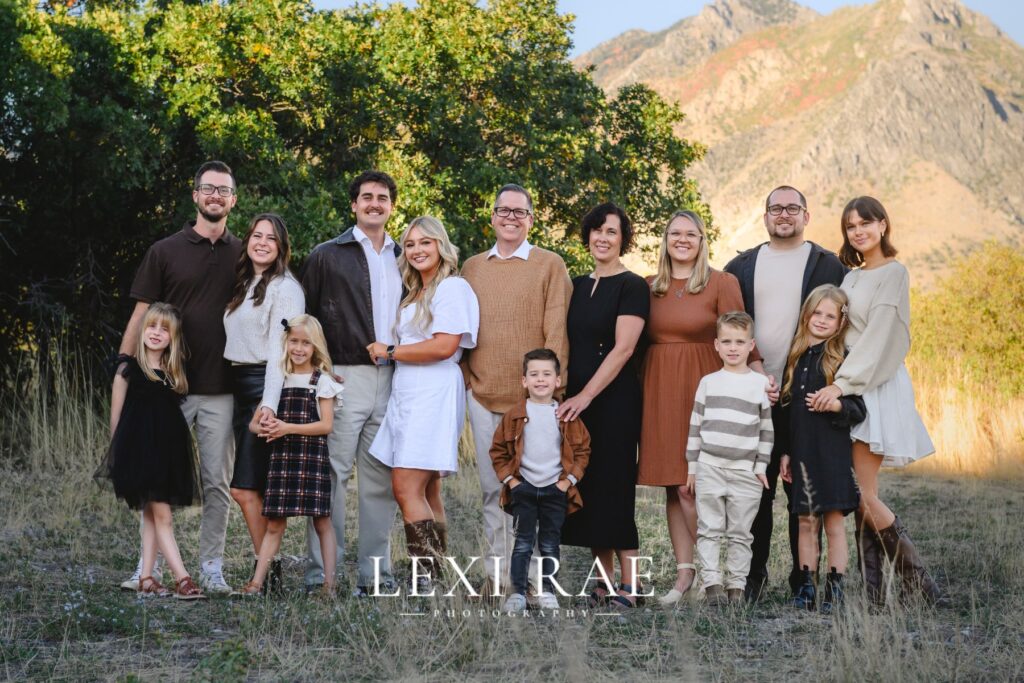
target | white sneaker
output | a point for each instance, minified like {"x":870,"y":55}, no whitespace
{"x":132,"y":583}
{"x":213,"y":582}
{"x":547,"y":601}
{"x":514,"y":603}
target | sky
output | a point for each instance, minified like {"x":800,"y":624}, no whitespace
{"x":600,"y":20}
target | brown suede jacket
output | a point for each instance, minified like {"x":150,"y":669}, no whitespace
{"x":507,"y":452}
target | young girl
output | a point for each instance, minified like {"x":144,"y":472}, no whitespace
{"x":299,"y":479}
{"x":151,"y":462}
{"x":817,"y":444}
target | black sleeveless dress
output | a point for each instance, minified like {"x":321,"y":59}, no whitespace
{"x":608,"y":486}
{"x":151,"y":458}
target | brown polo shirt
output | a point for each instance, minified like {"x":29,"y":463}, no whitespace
{"x":197,"y":276}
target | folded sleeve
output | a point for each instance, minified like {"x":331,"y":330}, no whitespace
{"x":456,"y":311}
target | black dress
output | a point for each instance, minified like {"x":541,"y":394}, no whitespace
{"x":608,"y":486}
{"x":151,"y":458}
{"x":818,"y":444}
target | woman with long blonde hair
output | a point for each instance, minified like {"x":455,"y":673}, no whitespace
{"x":687,"y":296}
{"x":419,"y":436}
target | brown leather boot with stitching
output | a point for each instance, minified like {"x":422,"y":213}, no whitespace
{"x":869,"y":560}
{"x":908,"y":564}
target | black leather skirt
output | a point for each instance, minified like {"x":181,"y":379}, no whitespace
{"x":252,"y":454}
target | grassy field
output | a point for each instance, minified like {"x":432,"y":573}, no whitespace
{"x":65,"y":544}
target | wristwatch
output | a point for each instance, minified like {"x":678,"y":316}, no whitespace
{"x":391,"y":352}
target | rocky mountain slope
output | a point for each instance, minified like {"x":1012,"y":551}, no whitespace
{"x":917,"y":102}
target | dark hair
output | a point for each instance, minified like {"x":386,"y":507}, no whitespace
{"x":244,"y":269}
{"x":869,"y":209}
{"x":738,"y":319}
{"x":803,"y":199}
{"x":595,"y":219}
{"x":373,"y":177}
{"x":542,"y":354}
{"x":512,"y":187}
{"x":218,"y":166}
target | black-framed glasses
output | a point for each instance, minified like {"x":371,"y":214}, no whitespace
{"x":791,"y":209}
{"x":505,"y":212}
{"x":222,"y":190}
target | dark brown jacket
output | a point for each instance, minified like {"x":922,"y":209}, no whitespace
{"x":336,"y":279}
{"x":507,"y":452}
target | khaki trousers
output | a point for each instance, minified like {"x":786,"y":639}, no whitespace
{"x":367,"y":389}
{"x":211,"y":414}
{"x":727,"y":501}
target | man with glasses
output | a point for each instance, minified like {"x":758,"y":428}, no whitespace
{"x":524,"y":293}
{"x":775,"y":278}
{"x":194,"y":270}
{"x":354,"y":288}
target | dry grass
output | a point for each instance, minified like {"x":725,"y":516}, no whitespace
{"x":64,"y":544}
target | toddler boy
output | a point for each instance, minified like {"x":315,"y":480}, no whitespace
{"x":539,"y":459}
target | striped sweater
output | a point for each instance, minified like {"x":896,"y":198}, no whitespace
{"x":731,"y":424}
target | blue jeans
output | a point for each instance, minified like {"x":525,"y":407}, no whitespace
{"x":534,"y":507}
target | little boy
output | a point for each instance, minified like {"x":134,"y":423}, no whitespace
{"x":539,"y":459}
{"x":728,"y":451}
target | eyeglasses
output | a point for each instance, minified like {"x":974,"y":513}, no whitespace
{"x":791,"y":209}
{"x":504,"y":212}
{"x":222,"y":190}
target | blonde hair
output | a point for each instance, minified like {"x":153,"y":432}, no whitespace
{"x":321,"y":359}
{"x":698,"y":279}
{"x":835,"y":348}
{"x":418,"y":294}
{"x":173,"y":357}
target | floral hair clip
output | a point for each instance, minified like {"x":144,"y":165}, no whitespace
{"x":284,"y":324}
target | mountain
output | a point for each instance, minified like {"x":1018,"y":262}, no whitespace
{"x":916,"y":102}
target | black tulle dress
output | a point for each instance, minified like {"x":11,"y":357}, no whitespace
{"x":151,"y":456}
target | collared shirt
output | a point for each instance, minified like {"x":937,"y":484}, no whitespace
{"x":197,"y":276}
{"x":521,"y":252}
{"x":385,"y":285}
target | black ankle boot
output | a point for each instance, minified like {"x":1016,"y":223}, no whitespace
{"x":832,"y":600}
{"x":806,"y":594}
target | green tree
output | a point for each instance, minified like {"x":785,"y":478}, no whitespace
{"x":106,"y":110}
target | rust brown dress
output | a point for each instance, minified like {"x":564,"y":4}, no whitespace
{"x":681,"y":334}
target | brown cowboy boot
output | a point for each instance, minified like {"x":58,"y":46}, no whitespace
{"x":421,"y":541}
{"x":869,"y":555}
{"x":908,"y":564}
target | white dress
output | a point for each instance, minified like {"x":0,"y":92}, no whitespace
{"x":427,"y":407}
{"x":879,"y":339}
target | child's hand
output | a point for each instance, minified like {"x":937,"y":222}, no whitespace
{"x":691,"y":484}
{"x":835,"y":406}
{"x":274,"y":429}
{"x":513,"y":482}
{"x":821,"y":400}
{"x":784,"y":471}
{"x":763,"y":479}
{"x":560,"y":486}
{"x":773,"y":390}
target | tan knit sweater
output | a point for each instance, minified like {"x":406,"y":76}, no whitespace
{"x":523,"y":305}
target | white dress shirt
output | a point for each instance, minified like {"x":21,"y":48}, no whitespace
{"x":385,"y":285}
{"x":521,"y":252}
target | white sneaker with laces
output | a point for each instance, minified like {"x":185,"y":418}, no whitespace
{"x":547,"y":601}
{"x":213,"y":582}
{"x":515,"y":603}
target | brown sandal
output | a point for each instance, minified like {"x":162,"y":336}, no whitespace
{"x":187,"y":589}
{"x":249,"y":590}
{"x":151,"y":588}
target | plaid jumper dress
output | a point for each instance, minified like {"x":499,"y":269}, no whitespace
{"x":299,"y":480}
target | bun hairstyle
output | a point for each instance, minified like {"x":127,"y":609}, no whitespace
{"x":835,"y":347}
{"x":173,"y":357}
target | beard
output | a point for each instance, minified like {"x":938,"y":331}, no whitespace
{"x":213,"y":218}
